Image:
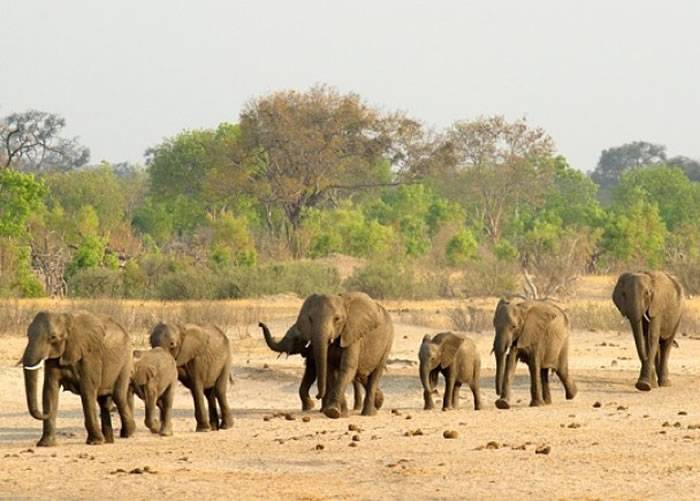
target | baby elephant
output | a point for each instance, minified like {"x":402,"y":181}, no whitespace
{"x":154,"y":379}
{"x":457,"y":358}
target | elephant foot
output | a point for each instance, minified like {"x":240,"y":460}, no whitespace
{"x":332,"y":412}
{"x":109,"y":437}
{"x":95,"y":440}
{"x":227,"y":423}
{"x":643,"y":385}
{"x":536,"y":403}
{"x":168,"y":432}
{"x":428,"y":407}
{"x":664,"y":382}
{"x":379,"y":399}
{"x":477,"y":406}
{"x":47,"y":441}
{"x":127,"y":429}
{"x":571,"y":394}
{"x":369,"y":412}
{"x":307,"y":404}
{"x":502,"y":404}
{"x":202,"y":428}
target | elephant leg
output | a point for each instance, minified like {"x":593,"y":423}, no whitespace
{"x":346,"y":373}
{"x":370,"y":408}
{"x":565,"y":377}
{"x":213,"y":412}
{"x":662,"y":368}
{"x":357,"y":396}
{"x":476,"y":393}
{"x":124,"y":400}
{"x":88,"y":398}
{"x":379,"y":399}
{"x":199,"y":404}
{"x":535,"y":383}
{"x":165,"y":405}
{"x":511,"y":363}
{"x":220,"y":390}
{"x":105,"y":404}
{"x":546,"y":395}
{"x":307,"y":403}
{"x":50,"y":407}
{"x":648,"y":365}
{"x":455,"y":395}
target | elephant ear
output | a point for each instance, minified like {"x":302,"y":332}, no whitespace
{"x":363,"y":316}
{"x":666,"y":293}
{"x":502,"y":303}
{"x":449,"y":346}
{"x":192,"y":342}
{"x":537,"y":319}
{"x":618,"y":292}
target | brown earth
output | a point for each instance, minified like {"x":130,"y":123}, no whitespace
{"x":634,"y":445}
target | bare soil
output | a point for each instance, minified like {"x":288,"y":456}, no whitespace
{"x":611,"y":442}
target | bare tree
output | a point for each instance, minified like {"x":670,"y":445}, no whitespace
{"x":31,"y":141}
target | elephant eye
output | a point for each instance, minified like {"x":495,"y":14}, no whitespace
{"x":311,"y":320}
{"x":336,"y":319}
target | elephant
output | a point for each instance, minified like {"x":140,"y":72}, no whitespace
{"x":457,"y":358}
{"x":84,"y":354}
{"x":351,"y":336}
{"x":652,"y":301}
{"x":203,"y":358}
{"x":154,"y":379}
{"x":292,"y":343}
{"x":535,"y":332}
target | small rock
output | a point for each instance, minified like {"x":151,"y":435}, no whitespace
{"x":493,"y":445}
{"x":118,"y":470}
{"x":320,"y":447}
{"x":266,"y":418}
{"x":682,"y":413}
{"x":136,"y":471}
{"x":27,"y":451}
{"x":289,"y":417}
{"x":265,"y":366}
{"x":352,"y":444}
{"x":666,"y":424}
{"x":545,"y":449}
{"x":354,"y":427}
{"x":409,"y":417}
{"x":356,"y":438}
{"x":613,"y":363}
{"x":597,"y":405}
{"x":519,"y":447}
{"x":622,"y":407}
{"x":676,"y":424}
{"x":374,"y":437}
{"x":395,"y":412}
{"x":306,"y":419}
{"x":574,"y":425}
{"x":418,"y":432}
{"x":450,"y":434}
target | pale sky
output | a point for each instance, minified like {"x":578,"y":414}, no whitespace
{"x":126,"y":74}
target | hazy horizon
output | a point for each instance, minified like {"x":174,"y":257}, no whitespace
{"x":125,"y":76}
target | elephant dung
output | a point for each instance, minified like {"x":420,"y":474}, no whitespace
{"x":450,"y":434}
{"x":545,"y":449}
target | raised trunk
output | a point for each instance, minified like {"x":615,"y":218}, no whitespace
{"x":271,"y":342}
{"x":320,"y":345}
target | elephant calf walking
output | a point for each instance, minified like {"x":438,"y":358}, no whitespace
{"x":457,"y":359}
{"x":203,"y":359}
{"x":154,"y":380}
{"x":536,"y":333}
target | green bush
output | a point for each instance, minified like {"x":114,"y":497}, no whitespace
{"x":385,"y":279}
{"x":96,"y":282}
{"x":461,"y":248}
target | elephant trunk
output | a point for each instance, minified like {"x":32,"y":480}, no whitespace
{"x":500,"y":371}
{"x":320,"y":346}
{"x":639,"y":338}
{"x":32,"y":365}
{"x":271,"y":342}
{"x":427,"y":386}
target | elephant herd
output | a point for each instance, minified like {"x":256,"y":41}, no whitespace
{"x":343,"y":339}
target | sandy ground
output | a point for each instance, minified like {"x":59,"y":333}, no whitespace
{"x":632,"y":446}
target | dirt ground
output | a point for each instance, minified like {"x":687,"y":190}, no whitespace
{"x":611,"y":442}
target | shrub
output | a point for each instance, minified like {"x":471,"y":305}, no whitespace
{"x":98,"y":282}
{"x":384,"y":279}
{"x":461,"y":248}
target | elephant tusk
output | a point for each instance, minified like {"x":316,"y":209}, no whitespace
{"x":308,"y":343}
{"x":35,"y":367}
{"x":646,"y":317}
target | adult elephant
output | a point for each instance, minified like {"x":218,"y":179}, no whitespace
{"x":536,"y":333}
{"x":87,"y":355}
{"x":359,"y":332}
{"x":203,"y":358}
{"x":652,"y":301}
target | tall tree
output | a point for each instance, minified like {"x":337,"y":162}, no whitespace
{"x":615,"y":161}
{"x":31,"y":141}
{"x":498,"y":166}
{"x":311,"y":144}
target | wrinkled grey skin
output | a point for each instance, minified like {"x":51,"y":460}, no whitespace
{"x":457,"y":359}
{"x":84,"y":354}
{"x":356,"y":330}
{"x":653,"y":303}
{"x":203,"y":358}
{"x":154,"y":379}
{"x":536,"y":333}
{"x":292,"y":343}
